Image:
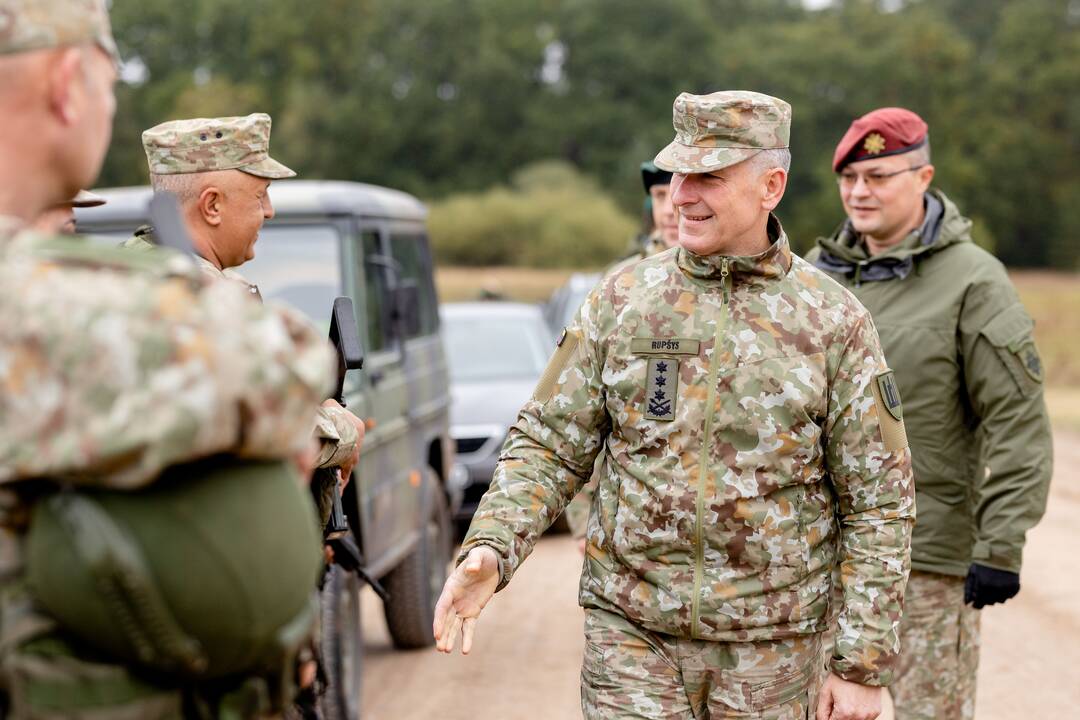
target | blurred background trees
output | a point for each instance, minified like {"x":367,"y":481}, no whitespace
{"x":523,"y":122}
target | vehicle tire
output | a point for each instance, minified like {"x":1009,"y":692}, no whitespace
{"x":342,"y":645}
{"x":414,"y":585}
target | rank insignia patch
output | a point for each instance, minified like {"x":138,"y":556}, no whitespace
{"x":874,"y":144}
{"x":661,"y":389}
{"x":890,"y":394}
{"x":1029,"y":358}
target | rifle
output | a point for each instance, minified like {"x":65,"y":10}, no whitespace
{"x":350,"y":356}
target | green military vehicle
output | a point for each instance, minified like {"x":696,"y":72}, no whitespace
{"x":369,"y":243}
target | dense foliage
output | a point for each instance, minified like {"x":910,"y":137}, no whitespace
{"x":443,"y":97}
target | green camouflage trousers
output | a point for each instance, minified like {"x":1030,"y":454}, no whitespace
{"x":939,"y":646}
{"x":630,"y":672}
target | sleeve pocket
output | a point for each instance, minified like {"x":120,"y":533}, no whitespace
{"x":1010,"y":334}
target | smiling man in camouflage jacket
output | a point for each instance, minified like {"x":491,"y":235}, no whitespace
{"x":961,"y":342}
{"x":752,"y":441}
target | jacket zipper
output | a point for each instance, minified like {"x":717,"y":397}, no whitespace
{"x":706,"y":446}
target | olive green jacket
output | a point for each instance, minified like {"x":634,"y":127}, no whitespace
{"x":960,"y":342}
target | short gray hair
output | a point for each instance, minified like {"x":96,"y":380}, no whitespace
{"x":921,"y":155}
{"x":185,"y":186}
{"x":771,"y":158}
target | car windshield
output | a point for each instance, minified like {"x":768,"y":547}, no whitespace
{"x":299,"y":265}
{"x":483,"y":347}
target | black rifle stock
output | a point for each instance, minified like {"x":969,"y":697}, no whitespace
{"x":350,"y":356}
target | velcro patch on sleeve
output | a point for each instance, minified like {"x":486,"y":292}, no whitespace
{"x":564,"y":350}
{"x":890,"y":411}
{"x":664,"y":346}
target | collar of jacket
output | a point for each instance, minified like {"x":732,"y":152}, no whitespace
{"x":773,"y":263}
{"x":844,"y":254}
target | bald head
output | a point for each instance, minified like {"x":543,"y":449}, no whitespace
{"x":56,"y":108}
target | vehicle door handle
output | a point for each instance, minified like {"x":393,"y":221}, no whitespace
{"x":376,"y":377}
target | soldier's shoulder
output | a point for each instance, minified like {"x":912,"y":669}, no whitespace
{"x":84,"y":253}
{"x":817,"y":290}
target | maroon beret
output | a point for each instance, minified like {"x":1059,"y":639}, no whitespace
{"x":885,"y":131}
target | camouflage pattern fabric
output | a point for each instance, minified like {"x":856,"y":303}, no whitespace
{"x":629,"y":672}
{"x":208,"y":144}
{"x":113,"y":366}
{"x":939,"y":658}
{"x":336,"y":434}
{"x":185,"y":368}
{"x":722,"y":129}
{"x":38,"y":24}
{"x":746,"y":451}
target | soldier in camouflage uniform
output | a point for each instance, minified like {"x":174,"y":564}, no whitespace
{"x":752,"y":441}
{"x":961,"y":343}
{"x":220,"y":170}
{"x":113,"y":366}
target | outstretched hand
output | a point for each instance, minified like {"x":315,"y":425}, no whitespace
{"x":843,"y":700}
{"x":466,"y":592}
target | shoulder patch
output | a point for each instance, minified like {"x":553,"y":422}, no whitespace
{"x":1029,"y":359}
{"x":890,"y":411}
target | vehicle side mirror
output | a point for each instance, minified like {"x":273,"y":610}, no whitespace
{"x":407,"y":309}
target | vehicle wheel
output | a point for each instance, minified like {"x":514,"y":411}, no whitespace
{"x":342,"y":645}
{"x":414,"y":585}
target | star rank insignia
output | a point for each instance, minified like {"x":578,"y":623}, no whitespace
{"x":874,"y":144}
{"x":660,"y":389}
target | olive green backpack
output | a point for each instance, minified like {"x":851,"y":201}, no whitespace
{"x":209,"y":572}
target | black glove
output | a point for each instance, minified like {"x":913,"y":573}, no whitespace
{"x":987,"y":585}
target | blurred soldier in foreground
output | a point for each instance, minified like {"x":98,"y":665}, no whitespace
{"x":751,"y":440}
{"x":60,"y":218}
{"x":143,"y":410}
{"x":220,"y":170}
{"x":662,"y":233}
{"x":961,"y":343}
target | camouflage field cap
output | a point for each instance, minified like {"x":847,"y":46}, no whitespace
{"x":38,"y":24}
{"x":723,"y":128}
{"x":207,"y":144}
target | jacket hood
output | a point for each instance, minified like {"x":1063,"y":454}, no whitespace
{"x":943,"y":227}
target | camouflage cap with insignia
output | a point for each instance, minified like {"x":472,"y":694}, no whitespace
{"x":27,"y":25}
{"x":723,"y":128}
{"x":208,"y":144}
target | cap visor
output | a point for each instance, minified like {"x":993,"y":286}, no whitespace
{"x":268,"y":168}
{"x":688,"y":159}
{"x":86,"y":199}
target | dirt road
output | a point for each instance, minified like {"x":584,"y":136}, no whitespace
{"x":527,"y":656}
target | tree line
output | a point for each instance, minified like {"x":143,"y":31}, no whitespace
{"x":449,"y":97}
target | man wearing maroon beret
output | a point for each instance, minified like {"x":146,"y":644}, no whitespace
{"x":961,"y":345}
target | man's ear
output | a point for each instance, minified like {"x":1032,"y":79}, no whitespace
{"x":66,"y":79}
{"x":209,"y":205}
{"x":926,"y":176}
{"x":773,"y":184}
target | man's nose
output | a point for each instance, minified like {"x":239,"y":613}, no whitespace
{"x":268,"y":208}
{"x":683,"y":191}
{"x":861,"y":188}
